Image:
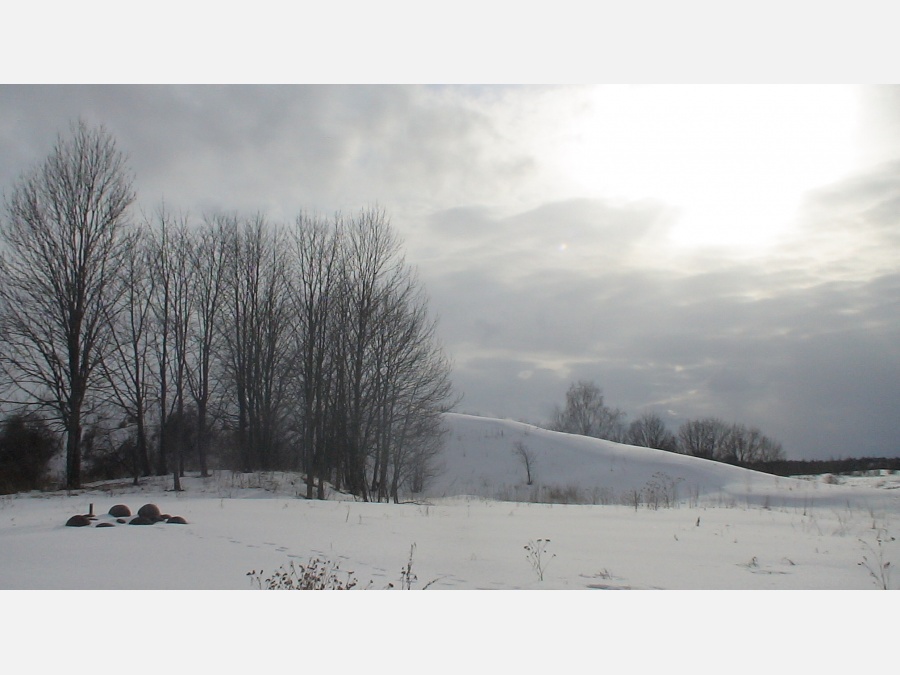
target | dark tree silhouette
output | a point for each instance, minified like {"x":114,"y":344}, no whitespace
{"x":649,"y":431}
{"x":63,"y":246}
{"x":586,"y":414}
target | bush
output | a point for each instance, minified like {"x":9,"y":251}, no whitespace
{"x":324,"y":575}
{"x":317,"y":575}
{"x":26,"y":447}
{"x":536,"y":552}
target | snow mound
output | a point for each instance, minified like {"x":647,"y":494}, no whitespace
{"x":479,"y":459}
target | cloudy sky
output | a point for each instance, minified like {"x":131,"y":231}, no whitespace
{"x":695,"y":250}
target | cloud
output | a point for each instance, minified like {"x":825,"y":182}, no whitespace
{"x":539,"y":272}
{"x":756,"y":341}
{"x":279,"y":148}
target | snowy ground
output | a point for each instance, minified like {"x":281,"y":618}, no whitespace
{"x":460,"y":543}
{"x":697,"y":526}
{"x":635,"y":519}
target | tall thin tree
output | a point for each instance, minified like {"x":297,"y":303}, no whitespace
{"x":209,"y":262}
{"x":127,"y":367}
{"x":63,"y":245}
{"x":256,"y":328}
{"x":316,"y":254}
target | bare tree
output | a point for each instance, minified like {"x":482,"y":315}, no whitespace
{"x":586,"y":414}
{"x":414,"y":392}
{"x":182,"y":295}
{"x":371,"y":264}
{"x":391,"y":379}
{"x":416,"y":459}
{"x":738,"y":444}
{"x":703,"y":438}
{"x":159,"y":251}
{"x":169,"y":250}
{"x":770,"y":450}
{"x":398,"y":327}
{"x":649,"y":431}
{"x":63,"y":246}
{"x":127,"y":366}
{"x":743,"y":446}
{"x":208,"y":260}
{"x":711,"y":438}
{"x":526,"y":454}
{"x":372,"y":381}
{"x":317,"y":248}
{"x":256,"y":327}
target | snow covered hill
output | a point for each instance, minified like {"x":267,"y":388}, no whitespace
{"x":605,"y":515}
{"x":480,"y":459}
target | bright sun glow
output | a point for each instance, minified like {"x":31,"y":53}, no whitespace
{"x":732,"y":161}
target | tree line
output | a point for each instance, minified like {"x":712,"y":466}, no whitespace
{"x":229,"y":342}
{"x":586,"y":413}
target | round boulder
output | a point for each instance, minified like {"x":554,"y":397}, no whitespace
{"x":120,"y":511}
{"x":78,"y":521}
{"x":149,"y":511}
{"x":140,"y":520}
{"x":177,"y":520}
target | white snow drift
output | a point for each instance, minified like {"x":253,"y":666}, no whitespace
{"x":636,"y":519}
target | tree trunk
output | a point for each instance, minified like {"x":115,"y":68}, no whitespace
{"x":202,"y":438}
{"x":73,"y":451}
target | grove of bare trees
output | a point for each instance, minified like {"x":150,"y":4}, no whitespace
{"x":585,"y":413}
{"x":712,"y":438}
{"x":650,"y":431}
{"x":232,"y":342}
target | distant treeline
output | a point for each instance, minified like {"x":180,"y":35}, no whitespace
{"x":585,"y":413}
{"x":813,"y":467}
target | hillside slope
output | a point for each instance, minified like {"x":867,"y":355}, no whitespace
{"x":479,"y":460}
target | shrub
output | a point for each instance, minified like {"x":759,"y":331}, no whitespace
{"x":661,"y":490}
{"x":879,"y":568}
{"x":316,"y":575}
{"x":324,"y":575}
{"x":407,"y":577}
{"x":536,"y":552}
{"x":26,"y":447}
{"x":565,"y":494}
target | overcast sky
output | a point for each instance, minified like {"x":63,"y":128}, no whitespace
{"x":695,"y":250}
